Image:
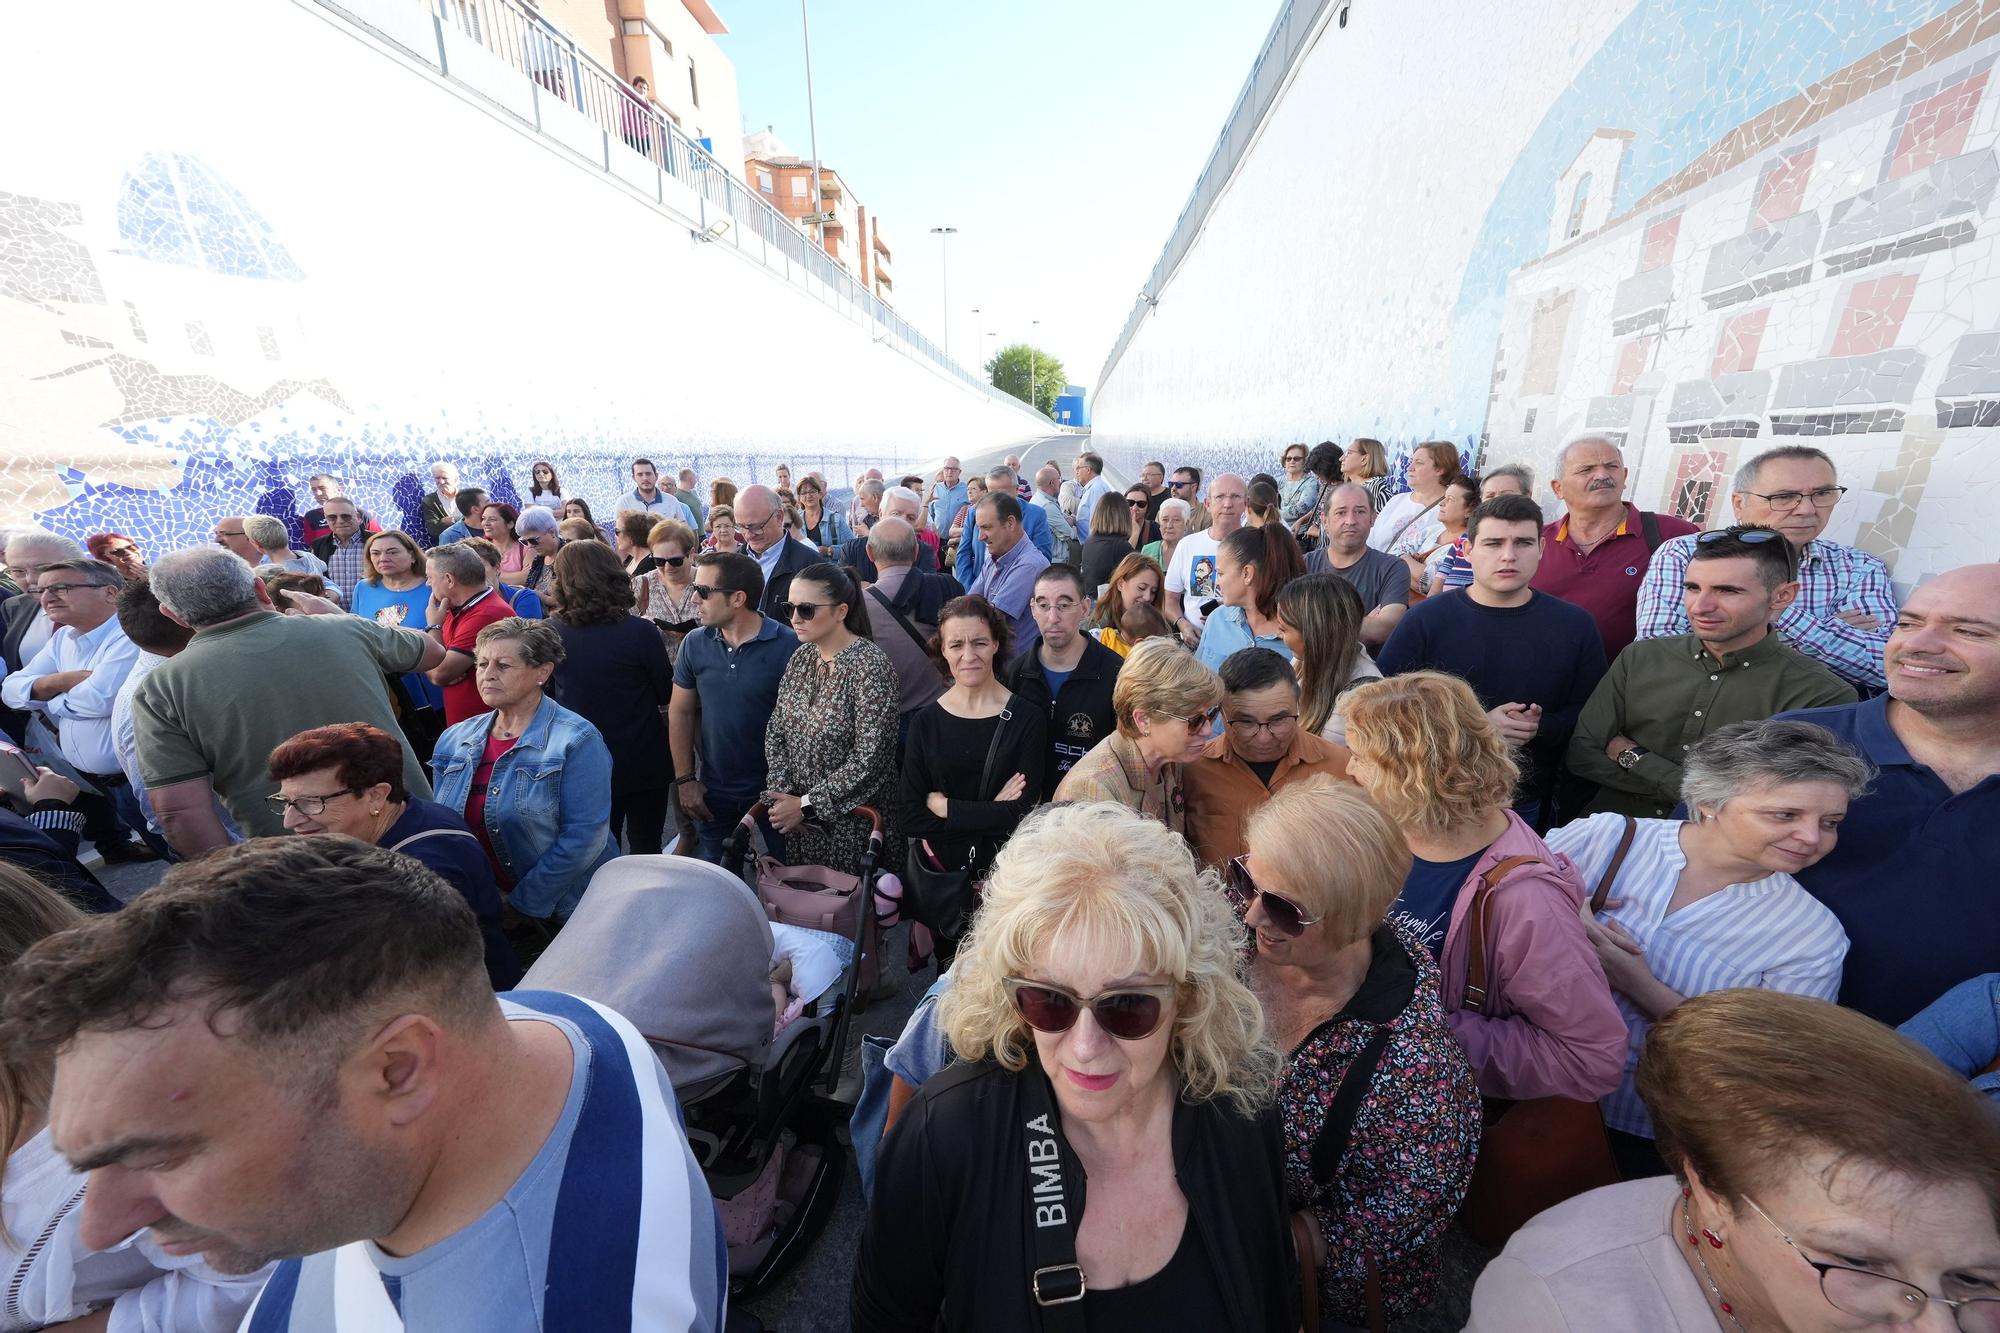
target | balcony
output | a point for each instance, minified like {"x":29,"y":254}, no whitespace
{"x":1846,"y":395}
{"x":1933,"y":209}
{"x":1642,"y":300}
{"x":1760,"y":262}
{"x":829,"y":188}
{"x":1969,"y":393}
{"x":1730,"y":406}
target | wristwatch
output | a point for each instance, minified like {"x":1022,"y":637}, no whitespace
{"x":1629,"y":757}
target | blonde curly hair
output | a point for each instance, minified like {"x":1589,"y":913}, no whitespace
{"x":1098,"y":874}
{"x":1434,"y":759}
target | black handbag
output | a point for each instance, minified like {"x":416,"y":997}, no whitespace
{"x":939,"y":897}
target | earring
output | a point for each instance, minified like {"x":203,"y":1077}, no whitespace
{"x":374,"y":809}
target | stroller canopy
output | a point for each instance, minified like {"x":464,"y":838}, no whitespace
{"x":680,"y":947}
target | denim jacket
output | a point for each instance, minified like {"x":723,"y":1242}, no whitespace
{"x":548,"y":806}
{"x":1962,"y":1028}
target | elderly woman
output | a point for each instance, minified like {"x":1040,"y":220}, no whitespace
{"x":348,"y":779}
{"x":540,"y":540}
{"x":1320,"y":617}
{"x":1101,"y":1032}
{"x":531,"y":778}
{"x":1507,"y":479}
{"x":1251,"y":566}
{"x":1709,"y":903}
{"x":722,"y":535}
{"x":1827,"y":1175}
{"x":1172,"y":521}
{"x":1109,"y":542}
{"x":1410,"y":522}
{"x":1136,"y":580}
{"x":1298,"y":490}
{"x":120,"y":552}
{"x":615,"y":675}
{"x":1445,"y":565}
{"x":1366,"y":462}
{"x":665,"y":592}
{"x":1352,"y":998}
{"x":1424,"y":751}
{"x":1167,"y":706}
{"x":634,"y":531}
{"x":831,"y":741}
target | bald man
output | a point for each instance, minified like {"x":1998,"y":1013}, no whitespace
{"x":1191,"y":592}
{"x":760,"y":523}
{"x":1911,"y":878}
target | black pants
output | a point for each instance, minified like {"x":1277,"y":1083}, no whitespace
{"x":641,"y":817}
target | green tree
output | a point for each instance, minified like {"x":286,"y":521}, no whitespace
{"x":1008,"y":372}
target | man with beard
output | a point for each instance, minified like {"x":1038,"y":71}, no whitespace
{"x":1383,"y":580}
{"x":1596,"y":555}
{"x":243,"y":1082}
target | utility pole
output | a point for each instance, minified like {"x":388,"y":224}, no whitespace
{"x":944,"y":235}
{"x":812,"y":128}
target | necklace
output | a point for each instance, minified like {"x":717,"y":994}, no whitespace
{"x":1701,"y":1261}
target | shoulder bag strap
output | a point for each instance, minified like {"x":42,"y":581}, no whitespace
{"x":1406,"y":524}
{"x":434,"y":833}
{"x":1476,"y":994}
{"x":909,"y":626}
{"x":1338,"y":1128}
{"x":993,"y":750}
{"x":1056,"y":1283}
{"x":1649,"y":528}
{"x":1610,"y":876}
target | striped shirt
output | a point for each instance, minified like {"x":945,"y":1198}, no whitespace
{"x":611,"y":1228}
{"x":1769,"y":934}
{"x":1832,"y":578}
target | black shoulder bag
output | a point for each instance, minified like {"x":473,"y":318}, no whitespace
{"x":1328,"y":1148}
{"x":1055,"y":1208}
{"x":939,"y":897}
{"x":910,"y":628}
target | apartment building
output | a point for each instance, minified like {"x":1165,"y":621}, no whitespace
{"x":851,"y":234}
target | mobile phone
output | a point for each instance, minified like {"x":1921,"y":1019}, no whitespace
{"x":1208,"y":607}
{"x":16,"y":770}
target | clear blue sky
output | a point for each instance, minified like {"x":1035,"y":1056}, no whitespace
{"x":1061,"y":138}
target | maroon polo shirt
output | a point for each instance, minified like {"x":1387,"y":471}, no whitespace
{"x":1605,"y":582}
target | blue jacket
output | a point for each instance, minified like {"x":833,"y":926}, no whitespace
{"x":548,"y":805}
{"x":972,"y":551}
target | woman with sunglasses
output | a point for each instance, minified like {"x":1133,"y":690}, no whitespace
{"x":544,"y":489}
{"x":118,"y":551}
{"x":1298,"y":489}
{"x":1351,"y":995}
{"x":1167,"y":707}
{"x":1138,"y":506}
{"x":1155,"y":1094}
{"x":1426,"y":753}
{"x":665,"y":592}
{"x":1827,"y":1175}
{"x":831,"y":741}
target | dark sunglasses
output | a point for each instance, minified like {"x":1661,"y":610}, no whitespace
{"x":1180,"y":485}
{"x":672,"y":561}
{"x":1200,"y":722}
{"x":1286,"y":917}
{"x":1745,"y":535}
{"x":1132,"y":1014}
{"x":1136,"y":504}
{"x":705,"y":592}
{"x":802,"y":610}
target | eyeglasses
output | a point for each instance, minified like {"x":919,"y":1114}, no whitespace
{"x":45,"y":589}
{"x":1285,"y":916}
{"x":1886,"y":1300}
{"x":1824,"y":497}
{"x":221,"y":536}
{"x":340,"y":518}
{"x":1295,"y":458}
{"x":1250,"y":726}
{"x":1131,"y":1014}
{"x":1062,"y":606}
{"x":802,"y":610}
{"x":310,"y":806}
{"x":1200,"y":722}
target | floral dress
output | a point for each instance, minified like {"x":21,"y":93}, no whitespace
{"x":664,"y":609}
{"x":832,"y":736}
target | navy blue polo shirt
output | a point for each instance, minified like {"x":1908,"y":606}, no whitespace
{"x":1911,"y":877}
{"x":738,"y":689}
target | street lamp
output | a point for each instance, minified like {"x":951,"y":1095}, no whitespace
{"x":812,"y":127}
{"x":944,"y":258}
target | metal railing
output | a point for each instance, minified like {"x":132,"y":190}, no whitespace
{"x":519,"y":36}
{"x":1295,"y":24}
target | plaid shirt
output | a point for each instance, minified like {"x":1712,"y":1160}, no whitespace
{"x":343,"y":566}
{"x":1832,"y":578}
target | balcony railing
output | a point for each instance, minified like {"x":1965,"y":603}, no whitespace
{"x":540,"y":75}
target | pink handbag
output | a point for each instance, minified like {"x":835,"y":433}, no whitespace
{"x":818,"y":899}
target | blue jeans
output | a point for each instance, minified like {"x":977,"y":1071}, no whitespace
{"x":125,"y":800}
{"x":1962,"y":1028}
{"x":710,"y":835}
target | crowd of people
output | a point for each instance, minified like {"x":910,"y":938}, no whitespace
{"x":1602,"y":886}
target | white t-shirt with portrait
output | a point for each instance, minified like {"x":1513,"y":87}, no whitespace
{"x":1192,"y":573}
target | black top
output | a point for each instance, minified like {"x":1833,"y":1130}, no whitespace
{"x":1100,"y":557}
{"x":1080,"y":716}
{"x":854,"y":554}
{"x":948,"y":1231}
{"x":1181,"y":1295}
{"x":443,"y":843}
{"x":45,"y":845}
{"x":947,"y":753}
{"x":618,"y":678}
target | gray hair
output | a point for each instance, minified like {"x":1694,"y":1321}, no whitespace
{"x":447,"y":465}
{"x":1562,"y":454}
{"x":41,"y":539}
{"x":333,"y":477}
{"x":1002,"y":474}
{"x":871,"y":487}
{"x":1178,"y":505}
{"x":95,"y":572}
{"x":204,"y":585}
{"x":903,"y":493}
{"x":1744,"y":755}
{"x":892,"y":542}
{"x":267,"y":532}
{"x":1746,"y":476}
{"x":540,"y":644}
{"x":534,"y":520}
{"x":1520,"y":472}
{"x":461,"y":562}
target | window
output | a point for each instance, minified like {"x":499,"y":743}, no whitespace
{"x":798,"y":187}
{"x":1658,"y":250}
{"x":1546,"y":341}
{"x":1873,"y":316}
{"x":694,"y":84}
{"x":1528,"y":423}
{"x":635,"y":27}
{"x":764,"y":180}
{"x":1736,"y":348}
{"x":1781,"y":194}
{"x":1633,"y":360}
{"x":1578,"y":203}
{"x":1935,"y":128}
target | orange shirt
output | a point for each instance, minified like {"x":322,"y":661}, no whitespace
{"x":1221,"y":790}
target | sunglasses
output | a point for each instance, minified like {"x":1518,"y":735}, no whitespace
{"x":672,"y":561}
{"x":1180,"y":485}
{"x":1752,"y":535}
{"x":1131,"y":1014}
{"x":704,"y":592}
{"x":1136,"y":504}
{"x":1286,"y":917}
{"x":1200,"y":722}
{"x":802,"y":610}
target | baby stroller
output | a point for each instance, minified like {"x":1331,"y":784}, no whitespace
{"x":684,"y":950}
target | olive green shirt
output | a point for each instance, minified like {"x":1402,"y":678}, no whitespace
{"x":1667,"y":694}
{"x":234,"y":694}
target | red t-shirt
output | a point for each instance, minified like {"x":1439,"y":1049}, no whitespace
{"x":475,"y":803}
{"x":461,"y":632}
{"x":1605,"y":582}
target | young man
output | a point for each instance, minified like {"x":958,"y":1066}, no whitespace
{"x":1066,"y":673}
{"x":1846,"y":603}
{"x":647,"y":495}
{"x":463,"y":603}
{"x":1191,"y":590}
{"x":240,"y":1079}
{"x":726,"y":680}
{"x":1261,"y":751}
{"x":1383,"y":580}
{"x":1596,"y":554}
{"x":1911,"y":877}
{"x":1663,"y":695}
{"x":1531,"y":658}
{"x":468,"y":502}
{"x":1008,"y":578}
{"x":1186,"y":485}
